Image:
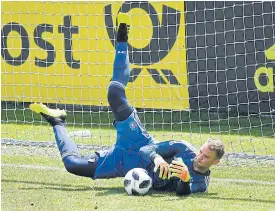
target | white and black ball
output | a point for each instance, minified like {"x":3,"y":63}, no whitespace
{"x":137,"y":182}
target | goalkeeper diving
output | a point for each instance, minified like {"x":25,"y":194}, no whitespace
{"x":172,"y":165}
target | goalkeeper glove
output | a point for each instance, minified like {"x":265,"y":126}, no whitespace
{"x":163,"y":167}
{"x":178,"y":169}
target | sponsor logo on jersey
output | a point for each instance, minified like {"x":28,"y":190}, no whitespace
{"x":133,"y":125}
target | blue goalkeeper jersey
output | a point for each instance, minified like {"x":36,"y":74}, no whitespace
{"x":135,"y":148}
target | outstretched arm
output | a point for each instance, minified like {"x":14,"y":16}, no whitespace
{"x":158,"y":152}
{"x":165,"y":149}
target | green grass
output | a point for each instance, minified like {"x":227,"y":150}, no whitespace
{"x":45,"y":189}
{"x":106,"y":136}
{"x":195,"y":122}
{"x":55,"y":189}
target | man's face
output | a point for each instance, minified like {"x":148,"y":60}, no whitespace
{"x":205,"y":157}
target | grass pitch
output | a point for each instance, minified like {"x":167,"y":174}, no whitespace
{"x":39,"y":182}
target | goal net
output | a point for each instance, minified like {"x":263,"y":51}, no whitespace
{"x":199,"y":70}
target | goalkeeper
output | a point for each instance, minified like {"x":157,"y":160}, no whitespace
{"x":172,"y":165}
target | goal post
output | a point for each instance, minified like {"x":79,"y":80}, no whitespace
{"x":198,"y":70}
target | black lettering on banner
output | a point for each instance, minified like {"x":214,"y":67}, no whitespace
{"x":170,"y":77}
{"x":156,"y":76}
{"x":17,"y":61}
{"x":67,"y":29}
{"x":162,"y":41}
{"x":37,"y":34}
{"x":264,"y":77}
{"x":134,"y":74}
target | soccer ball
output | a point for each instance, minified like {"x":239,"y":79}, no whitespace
{"x":137,"y":182}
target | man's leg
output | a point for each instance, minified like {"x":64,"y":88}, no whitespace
{"x":121,"y":72}
{"x":73,"y":162}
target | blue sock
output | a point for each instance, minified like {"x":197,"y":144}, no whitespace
{"x":65,"y":145}
{"x":121,"y":68}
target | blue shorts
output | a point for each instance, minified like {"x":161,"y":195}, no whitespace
{"x":123,"y":156}
{"x":131,"y":134}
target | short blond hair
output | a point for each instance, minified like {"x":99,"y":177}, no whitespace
{"x":217,"y":146}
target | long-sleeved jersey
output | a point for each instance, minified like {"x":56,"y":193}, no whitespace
{"x":135,"y":148}
{"x":171,"y":150}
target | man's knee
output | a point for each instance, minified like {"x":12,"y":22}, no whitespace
{"x":114,"y":93}
{"x":80,"y":166}
{"x":71,"y":164}
{"x":119,"y":103}
{"x":116,"y":96}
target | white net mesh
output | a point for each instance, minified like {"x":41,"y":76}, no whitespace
{"x":198,"y":70}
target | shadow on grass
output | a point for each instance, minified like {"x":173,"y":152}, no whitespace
{"x":103,"y":191}
{"x":69,"y":187}
{"x":216,"y":197}
{"x":100,"y":191}
{"x":54,"y":186}
{"x":120,"y":190}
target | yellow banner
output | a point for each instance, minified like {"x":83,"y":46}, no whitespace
{"x":55,"y":52}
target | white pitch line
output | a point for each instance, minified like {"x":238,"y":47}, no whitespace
{"x":241,"y":181}
{"x":25,"y":166}
{"x":227,"y":180}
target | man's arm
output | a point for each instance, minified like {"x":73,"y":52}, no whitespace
{"x":165,"y":149}
{"x":178,"y":169}
{"x":157,"y":153}
{"x":186,"y":188}
{"x":183,"y":188}
{"x":199,"y":187}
